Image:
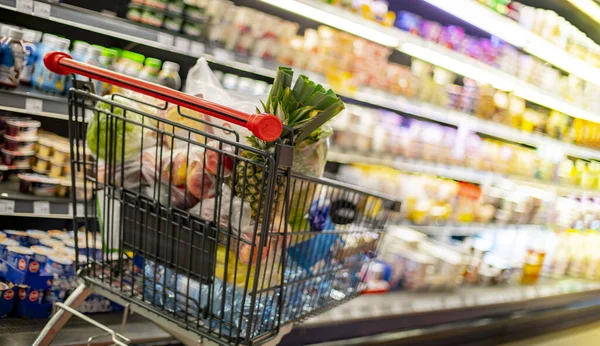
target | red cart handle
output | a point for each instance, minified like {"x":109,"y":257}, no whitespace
{"x":264,"y":126}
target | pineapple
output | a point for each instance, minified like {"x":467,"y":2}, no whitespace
{"x":304,"y":108}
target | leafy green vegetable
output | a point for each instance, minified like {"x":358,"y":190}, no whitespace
{"x":110,"y":137}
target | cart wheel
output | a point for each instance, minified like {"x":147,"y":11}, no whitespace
{"x":61,"y":316}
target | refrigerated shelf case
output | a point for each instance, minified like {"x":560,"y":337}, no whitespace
{"x":124,"y":29}
{"x":393,"y":318}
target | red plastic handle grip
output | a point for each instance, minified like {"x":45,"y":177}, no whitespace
{"x":264,"y":126}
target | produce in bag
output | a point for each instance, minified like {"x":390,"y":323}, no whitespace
{"x":201,"y":81}
{"x":167,"y":178}
{"x":183,"y":117}
{"x":113,"y":139}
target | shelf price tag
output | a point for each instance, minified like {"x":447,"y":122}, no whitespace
{"x":165,"y":39}
{"x":197,"y":49}
{"x":25,"y":6}
{"x":34,"y":105}
{"x":182,"y":44}
{"x":41,"y":9}
{"x":7,"y":207}
{"x":41,"y":208}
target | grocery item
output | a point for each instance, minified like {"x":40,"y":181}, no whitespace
{"x":150,"y":70}
{"x":31,"y":38}
{"x":20,"y":144}
{"x":307,"y":103}
{"x":21,"y":159}
{"x":38,"y":185}
{"x":169,"y":75}
{"x":22,"y":128}
{"x":12,"y":58}
{"x":47,"y":80}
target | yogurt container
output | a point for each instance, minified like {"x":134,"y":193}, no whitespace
{"x":45,"y":147}
{"x":62,"y":152}
{"x":59,"y":264}
{"x":19,"y":256}
{"x":69,"y":242}
{"x":37,"y":184}
{"x":19,"y":236}
{"x":22,"y":128}
{"x":20,"y":144}
{"x":63,"y":189}
{"x":4,"y":247}
{"x":40,"y":255}
{"x":50,"y":242}
{"x":34,"y":236}
{"x":16,"y":158}
{"x":42,"y":163}
{"x":57,"y":169}
{"x":58,"y":234}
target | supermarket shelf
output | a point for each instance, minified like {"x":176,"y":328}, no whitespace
{"x":15,"y":203}
{"x":510,"y":31}
{"x":126,"y":30}
{"x":371,"y":315}
{"x":429,"y":52}
{"x":323,"y":13}
{"x":456,"y":172}
{"x":32,"y":101}
{"x":467,"y":230}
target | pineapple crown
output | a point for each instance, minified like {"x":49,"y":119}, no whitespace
{"x":305,"y":108}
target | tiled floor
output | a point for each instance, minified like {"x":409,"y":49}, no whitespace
{"x":587,"y":335}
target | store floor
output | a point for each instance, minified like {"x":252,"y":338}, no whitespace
{"x":586,"y":335}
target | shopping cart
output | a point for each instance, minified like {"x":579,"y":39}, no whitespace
{"x":212,"y":239}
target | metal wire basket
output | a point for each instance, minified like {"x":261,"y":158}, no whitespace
{"x":201,"y":229}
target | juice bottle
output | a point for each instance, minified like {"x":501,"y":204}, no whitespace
{"x":151,"y":69}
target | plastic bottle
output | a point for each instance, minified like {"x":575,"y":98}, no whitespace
{"x":169,"y":76}
{"x":80,"y":50}
{"x":92,"y":57}
{"x":50,"y":81}
{"x":12,"y":54}
{"x":135,"y":63}
{"x":151,"y":69}
{"x":31,"y":40}
{"x":107,"y":60}
{"x":47,"y":44}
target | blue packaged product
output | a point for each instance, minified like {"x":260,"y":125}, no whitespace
{"x":31,"y":39}
{"x":19,"y":257}
{"x":59,"y":264}
{"x":4,"y":247}
{"x":79,"y":51}
{"x":93,"y":57}
{"x":34,"y":236}
{"x":19,"y":236}
{"x":12,"y":54}
{"x":46,"y":45}
{"x":7,"y":295}
{"x":50,"y":242}
{"x":40,"y":256}
{"x":50,"y":81}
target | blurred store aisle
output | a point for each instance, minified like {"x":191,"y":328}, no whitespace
{"x":586,"y":335}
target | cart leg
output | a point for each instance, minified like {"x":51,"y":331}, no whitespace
{"x":61,"y":316}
